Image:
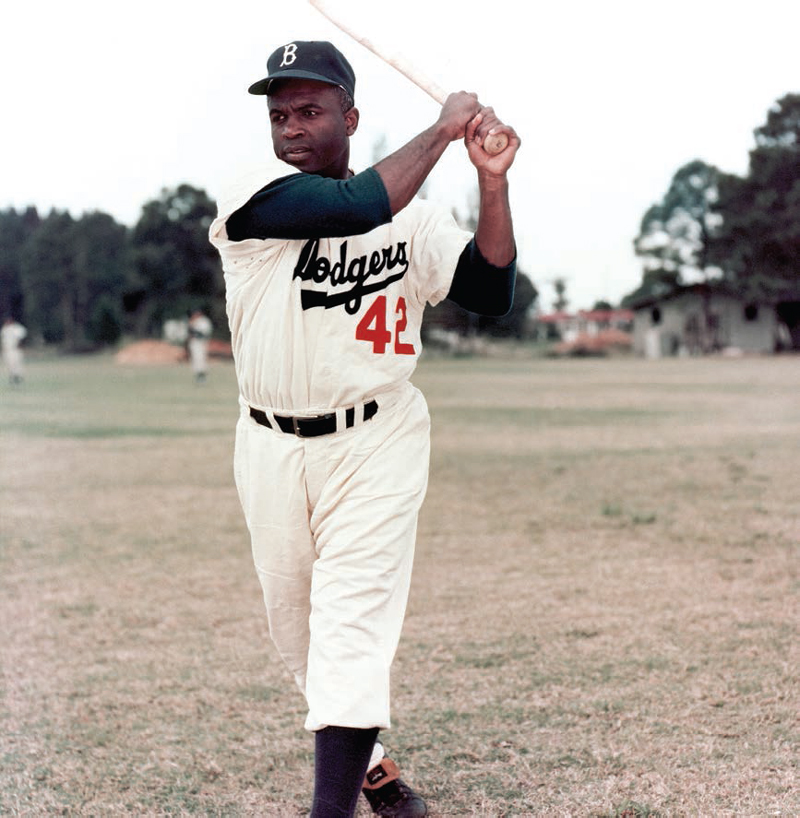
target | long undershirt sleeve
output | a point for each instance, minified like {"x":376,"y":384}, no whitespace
{"x":479,"y":286}
{"x":306,"y":206}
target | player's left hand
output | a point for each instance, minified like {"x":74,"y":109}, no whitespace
{"x":478,"y":129}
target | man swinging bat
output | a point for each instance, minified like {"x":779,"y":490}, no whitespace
{"x":327,"y":274}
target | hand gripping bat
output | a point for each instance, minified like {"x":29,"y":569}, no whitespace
{"x":493,"y":144}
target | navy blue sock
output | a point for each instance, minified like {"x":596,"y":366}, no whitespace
{"x":341,"y":756}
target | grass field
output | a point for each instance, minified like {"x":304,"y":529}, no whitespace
{"x":603,"y":619}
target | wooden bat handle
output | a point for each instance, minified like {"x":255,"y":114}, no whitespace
{"x":492,"y":145}
{"x":495,"y":143}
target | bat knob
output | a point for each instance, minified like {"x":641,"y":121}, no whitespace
{"x":495,"y":143}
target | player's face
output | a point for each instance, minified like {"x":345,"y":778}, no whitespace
{"x":309,"y":129}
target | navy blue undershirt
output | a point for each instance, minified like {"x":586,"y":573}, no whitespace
{"x":305,"y":206}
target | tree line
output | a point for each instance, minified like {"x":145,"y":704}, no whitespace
{"x":722,"y":229}
{"x":85,"y":283}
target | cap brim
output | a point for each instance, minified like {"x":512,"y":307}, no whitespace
{"x":262,"y":86}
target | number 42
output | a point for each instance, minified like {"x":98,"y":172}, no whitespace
{"x":373,"y":327}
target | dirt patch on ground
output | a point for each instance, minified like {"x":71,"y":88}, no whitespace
{"x":150,"y":352}
{"x":604,"y":342}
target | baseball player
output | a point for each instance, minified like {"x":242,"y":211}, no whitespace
{"x":327,"y":274}
{"x":200,"y":328}
{"x":11,"y":336}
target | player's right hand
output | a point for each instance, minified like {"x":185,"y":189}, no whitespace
{"x":482,"y":126}
{"x":458,"y":110}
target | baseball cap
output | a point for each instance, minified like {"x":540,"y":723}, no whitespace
{"x":309,"y":60}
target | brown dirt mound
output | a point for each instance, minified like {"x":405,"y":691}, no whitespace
{"x":150,"y":352}
{"x":219,"y":349}
{"x":604,"y":342}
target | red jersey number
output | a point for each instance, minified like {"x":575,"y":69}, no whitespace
{"x":373,"y":327}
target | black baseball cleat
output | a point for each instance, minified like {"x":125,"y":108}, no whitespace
{"x":389,"y":796}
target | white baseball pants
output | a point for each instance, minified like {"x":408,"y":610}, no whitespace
{"x":333,"y":522}
{"x":198,"y":354}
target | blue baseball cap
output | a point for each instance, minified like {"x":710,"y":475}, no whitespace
{"x":309,"y":60}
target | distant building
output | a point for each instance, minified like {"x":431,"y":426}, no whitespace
{"x":705,"y":318}
{"x":568,"y":327}
{"x":586,"y":332}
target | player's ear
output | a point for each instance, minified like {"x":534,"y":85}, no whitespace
{"x":351,"y":120}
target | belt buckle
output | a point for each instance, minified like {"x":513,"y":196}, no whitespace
{"x":296,"y":426}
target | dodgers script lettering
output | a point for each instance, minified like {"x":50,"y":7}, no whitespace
{"x":347,"y":279}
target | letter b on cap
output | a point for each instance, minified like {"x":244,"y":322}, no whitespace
{"x":289,"y":54}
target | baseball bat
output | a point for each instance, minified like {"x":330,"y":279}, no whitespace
{"x":493,"y":144}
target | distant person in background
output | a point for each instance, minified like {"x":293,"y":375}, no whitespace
{"x":200,"y":328}
{"x":11,"y":336}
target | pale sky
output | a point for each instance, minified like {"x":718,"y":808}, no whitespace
{"x":105,"y":104}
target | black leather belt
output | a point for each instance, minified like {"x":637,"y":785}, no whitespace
{"x":315,"y":425}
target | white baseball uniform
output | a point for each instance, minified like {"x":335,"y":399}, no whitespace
{"x":12,"y":335}
{"x":323,"y":325}
{"x":200,"y":329}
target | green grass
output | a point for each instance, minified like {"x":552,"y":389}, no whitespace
{"x":603,"y":617}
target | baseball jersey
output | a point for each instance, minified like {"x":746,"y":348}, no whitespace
{"x":11,"y":335}
{"x":200,"y":327}
{"x":324,"y":321}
